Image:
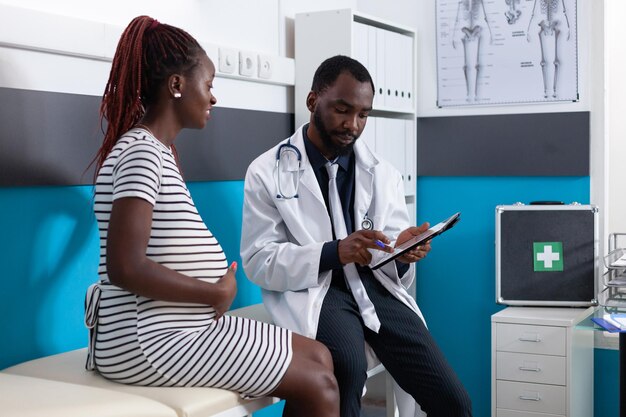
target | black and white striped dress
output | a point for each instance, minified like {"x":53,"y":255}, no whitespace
{"x":140,"y":341}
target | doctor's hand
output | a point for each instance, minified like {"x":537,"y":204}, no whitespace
{"x":226,"y":288}
{"x":354,"y":248}
{"x":419,"y":252}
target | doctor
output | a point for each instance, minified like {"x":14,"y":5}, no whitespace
{"x":318,"y":209}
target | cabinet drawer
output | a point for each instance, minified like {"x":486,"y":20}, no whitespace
{"x":538,"y":398}
{"x":543,"y":340}
{"x":526,"y":367}
{"x":515,"y":413}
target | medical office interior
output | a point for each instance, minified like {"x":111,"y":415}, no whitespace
{"x":54,"y":62}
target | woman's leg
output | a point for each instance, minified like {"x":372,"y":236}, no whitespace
{"x":309,"y":385}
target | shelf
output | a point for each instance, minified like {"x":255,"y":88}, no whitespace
{"x":390,"y":112}
{"x":616,"y":278}
{"x":616,"y":259}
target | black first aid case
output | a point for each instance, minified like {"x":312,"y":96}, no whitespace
{"x":546,"y":255}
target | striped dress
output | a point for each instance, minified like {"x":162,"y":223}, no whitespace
{"x":140,"y":341}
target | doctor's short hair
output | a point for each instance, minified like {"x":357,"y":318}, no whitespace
{"x":329,"y":70}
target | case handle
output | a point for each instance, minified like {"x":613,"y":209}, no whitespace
{"x":546,"y":203}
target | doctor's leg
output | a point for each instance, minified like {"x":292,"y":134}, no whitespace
{"x":409,"y":352}
{"x":340,"y":328}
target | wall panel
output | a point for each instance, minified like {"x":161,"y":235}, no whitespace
{"x":49,"y":138}
{"x":532,"y":144}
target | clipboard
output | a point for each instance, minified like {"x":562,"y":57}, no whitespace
{"x":435,"y":230}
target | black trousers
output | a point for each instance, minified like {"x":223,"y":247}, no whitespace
{"x":403,"y":344}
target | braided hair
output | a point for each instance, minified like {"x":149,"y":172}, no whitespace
{"x":147,"y":54}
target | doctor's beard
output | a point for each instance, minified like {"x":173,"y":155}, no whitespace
{"x":327,"y":140}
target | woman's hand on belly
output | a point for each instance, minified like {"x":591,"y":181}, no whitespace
{"x":225,"y":291}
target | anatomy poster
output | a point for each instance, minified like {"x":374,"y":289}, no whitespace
{"x":506,"y":51}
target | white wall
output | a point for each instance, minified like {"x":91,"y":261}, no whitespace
{"x":263,"y":26}
{"x":401,"y":12}
{"x":240,"y":23}
{"x":616,"y":120}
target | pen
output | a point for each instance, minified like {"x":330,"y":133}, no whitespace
{"x":379,"y":243}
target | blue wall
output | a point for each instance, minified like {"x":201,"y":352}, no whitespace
{"x":49,"y":252}
{"x":49,"y":255}
{"x":456,"y":282}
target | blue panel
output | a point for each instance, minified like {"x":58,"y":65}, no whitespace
{"x":606,"y":383}
{"x":456,"y":282}
{"x":49,"y":249}
{"x":49,"y":255}
{"x":221,"y":204}
{"x":275,"y":410}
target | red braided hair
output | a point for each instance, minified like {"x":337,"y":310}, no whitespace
{"x":147,"y":54}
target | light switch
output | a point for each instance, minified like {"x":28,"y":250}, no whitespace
{"x":228,"y":60}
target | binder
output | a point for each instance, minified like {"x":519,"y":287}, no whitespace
{"x":393,"y":68}
{"x":410,"y":154}
{"x":407,"y":79}
{"x":606,"y":325}
{"x":381,"y":80}
{"x":390,"y":142}
{"x":369,"y":133}
{"x":373,"y":65}
{"x":360,"y":46}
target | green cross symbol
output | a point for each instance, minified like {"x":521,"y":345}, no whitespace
{"x":547,"y":256}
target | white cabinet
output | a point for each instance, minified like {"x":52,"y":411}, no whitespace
{"x":541,"y":365}
{"x":387,"y":50}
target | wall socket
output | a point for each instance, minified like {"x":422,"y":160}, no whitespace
{"x":228,"y":60}
{"x":247,"y":63}
{"x":266,"y":66}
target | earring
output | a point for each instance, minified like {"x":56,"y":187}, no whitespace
{"x":177,"y":95}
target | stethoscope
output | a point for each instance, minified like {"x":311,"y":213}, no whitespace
{"x":292,"y":152}
{"x":367,"y":223}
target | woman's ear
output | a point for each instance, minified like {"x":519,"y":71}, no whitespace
{"x":175,"y":85}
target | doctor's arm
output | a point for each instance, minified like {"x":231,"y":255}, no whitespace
{"x":271,"y":257}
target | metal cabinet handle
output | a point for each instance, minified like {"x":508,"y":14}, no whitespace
{"x":527,"y":368}
{"x":527,"y":398}
{"x":535,"y":339}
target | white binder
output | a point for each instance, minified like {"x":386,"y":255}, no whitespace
{"x":381,"y":67}
{"x":360,"y":43}
{"x":409,"y":158}
{"x":373,"y":65}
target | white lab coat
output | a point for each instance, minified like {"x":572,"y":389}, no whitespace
{"x":282,"y":239}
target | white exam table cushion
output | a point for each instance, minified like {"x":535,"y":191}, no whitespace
{"x":23,"y":396}
{"x":69,"y":367}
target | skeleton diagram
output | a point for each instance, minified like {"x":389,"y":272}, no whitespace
{"x":468,"y":11}
{"x":512,"y":14}
{"x":548,"y":39}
